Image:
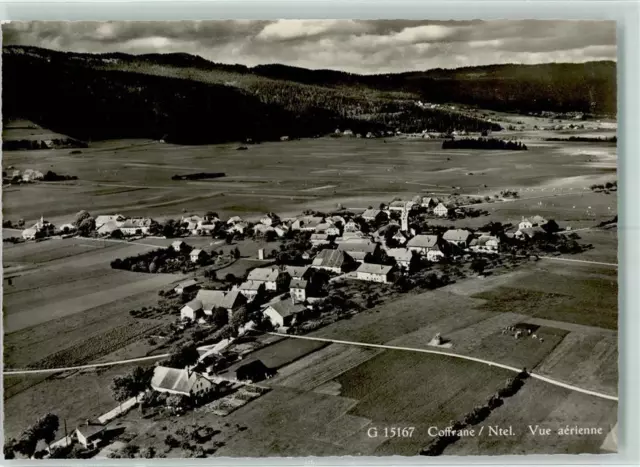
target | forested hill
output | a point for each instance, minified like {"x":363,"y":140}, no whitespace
{"x":188,"y":99}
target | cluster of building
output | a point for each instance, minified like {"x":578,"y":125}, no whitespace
{"x":107,"y":225}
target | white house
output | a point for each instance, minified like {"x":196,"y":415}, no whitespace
{"x":427,"y":202}
{"x":183,"y":382}
{"x":234,"y":220}
{"x":374,"y":272}
{"x":358,"y":249}
{"x":327,"y":229}
{"x":263,"y":229}
{"x":435,"y":255}
{"x":351,"y":226}
{"x":117,"y":218}
{"x":298,"y":289}
{"x":197,"y":255}
{"x":403,"y":256}
{"x":283,"y":312}
{"x":138,"y":226}
{"x":400,"y":237}
{"x":485,"y":243}
{"x":307,"y":223}
{"x":371,"y":215}
{"x":272,"y":277}
{"x":186,"y":286}
{"x":250,"y":289}
{"x":239,"y":227}
{"x":319,"y":239}
{"x":525,"y":224}
{"x":90,"y":434}
{"x":441,"y":210}
{"x":281,"y":230}
{"x":212,"y":299}
{"x":331,"y":260}
{"x":178,"y":245}
{"x":298,"y":272}
{"x":458,"y":237}
{"x":422,"y":244}
{"x":270,"y":219}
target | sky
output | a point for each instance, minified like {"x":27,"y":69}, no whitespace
{"x":366,"y":47}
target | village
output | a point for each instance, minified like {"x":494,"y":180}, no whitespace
{"x":323,"y":267}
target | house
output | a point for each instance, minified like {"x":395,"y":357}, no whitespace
{"x":401,"y":206}
{"x":351,"y":226}
{"x":331,"y":260}
{"x":525,"y":224}
{"x":30,"y":175}
{"x":197,"y":255}
{"x":435,"y":255}
{"x":283,"y":312}
{"x":101,"y":220}
{"x":400,"y":237}
{"x":30,"y":233}
{"x":347,"y":236}
{"x":183,"y":382}
{"x":422,"y":244}
{"x":298,"y":288}
{"x":108,"y":228}
{"x":212,"y":299}
{"x":192,"y":222}
{"x":192,"y":310}
{"x":298,"y":272}
{"x":530,"y":232}
{"x":281,"y":230}
{"x":402,"y":256}
{"x":42,"y":228}
{"x":270,"y":219}
{"x":458,"y":237}
{"x":137,"y":226}
{"x":374,"y":272}
{"x":427,"y":202}
{"x":186,"y":286}
{"x":272,"y":277}
{"x":234,"y":220}
{"x":205,"y":228}
{"x":253,"y":372}
{"x":240,"y":227}
{"x":263,"y":229}
{"x":307,"y":223}
{"x":319,"y":239}
{"x":178,"y":246}
{"x":250,"y":289}
{"x":485,"y":243}
{"x":374,"y":215}
{"x":67,"y":228}
{"x":327,"y":229}
{"x":359,"y":249}
{"x":539,"y":221}
{"x":338,"y":221}
{"x":91,"y":434}
{"x":441,"y":210}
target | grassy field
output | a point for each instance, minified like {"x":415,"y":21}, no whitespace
{"x":134,"y":177}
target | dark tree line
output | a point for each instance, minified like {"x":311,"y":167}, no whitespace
{"x":483,"y":143}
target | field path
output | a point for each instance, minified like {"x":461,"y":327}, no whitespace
{"x":335,"y":341}
{"x":448,"y":354}
{"x":558,"y":258}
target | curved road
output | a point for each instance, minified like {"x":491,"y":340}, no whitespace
{"x":334,"y":341}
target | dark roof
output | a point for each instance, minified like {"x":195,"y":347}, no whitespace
{"x":91,"y":430}
{"x":286,"y":307}
{"x":329,"y":259}
{"x":298,"y":284}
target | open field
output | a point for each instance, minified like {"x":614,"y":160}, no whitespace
{"x":134,"y":177}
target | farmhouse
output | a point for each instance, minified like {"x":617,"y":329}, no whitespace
{"x":205,"y":228}
{"x":250,"y":289}
{"x":262,"y":229}
{"x":192,"y":222}
{"x":183,"y":382}
{"x":331,"y":260}
{"x":108,"y":228}
{"x":101,"y":220}
{"x":272,"y":277}
{"x":435,"y":255}
{"x":427,"y":202}
{"x":319,"y":239}
{"x":234,"y":220}
{"x":298,"y":289}
{"x":240,"y":227}
{"x":441,"y":210}
{"x":374,"y":215}
{"x":270,"y":219}
{"x":298,"y":272}
{"x":306,"y":223}
{"x":197,"y":255}
{"x":211,"y":299}
{"x":458,"y":237}
{"x":283,"y":312}
{"x":400,"y":237}
{"x":186,"y":286}
{"x":253,"y":371}
{"x":351,"y":226}
{"x":485,"y":243}
{"x":41,"y":228}
{"x":359,"y":249}
{"x":178,"y":246}
{"x":402,"y":256}
{"x":90,"y":434}
{"x":525,"y":224}
{"x":422,"y":244}
{"x":530,"y":232}
{"x":138,"y":226}
{"x":374,"y":272}
{"x":327,"y":229}
{"x":338,"y":221}
{"x":281,"y":230}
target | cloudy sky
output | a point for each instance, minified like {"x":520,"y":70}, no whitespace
{"x":349,"y":45}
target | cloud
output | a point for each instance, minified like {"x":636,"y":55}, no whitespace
{"x":379,"y":46}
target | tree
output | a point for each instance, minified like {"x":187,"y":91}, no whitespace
{"x":478,"y":265}
{"x":270,"y":236}
{"x":9,"y":448}
{"x":236,"y":253}
{"x":219,"y":317}
{"x":46,"y":428}
{"x":211,"y":215}
{"x":153,"y":268}
{"x":239,"y":317}
{"x":184,"y":356}
{"x":122,"y":389}
{"x":27,"y":442}
{"x":80,"y":216}
{"x":230,"y":278}
{"x":87,"y":226}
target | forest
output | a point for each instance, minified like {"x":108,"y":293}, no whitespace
{"x":483,"y":143}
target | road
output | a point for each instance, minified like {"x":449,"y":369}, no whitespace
{"x":335,"y":341}
{"x":558,"y":258}
{"x":449,"y":354}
